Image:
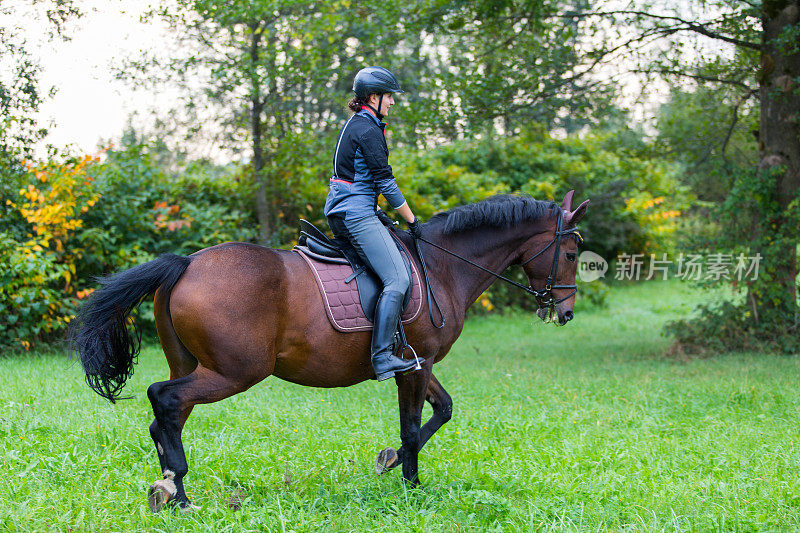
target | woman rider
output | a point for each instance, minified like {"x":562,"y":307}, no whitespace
{"x":361,"y":173}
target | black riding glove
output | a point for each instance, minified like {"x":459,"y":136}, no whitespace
{"x":384,"y":218}
{"x":414,"y":229}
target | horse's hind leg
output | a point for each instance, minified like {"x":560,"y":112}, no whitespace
{"x":172,"y":402}
{"x":442,"y":406}
{"x":181,"y":361}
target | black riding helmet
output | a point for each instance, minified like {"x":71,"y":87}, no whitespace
{"x":375,"y":80}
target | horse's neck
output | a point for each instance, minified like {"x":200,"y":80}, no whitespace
{"x":493,"y":249}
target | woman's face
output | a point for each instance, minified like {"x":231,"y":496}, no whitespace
{"x":388,"y":101}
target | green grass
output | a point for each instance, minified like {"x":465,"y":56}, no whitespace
{"x":586,"y":427}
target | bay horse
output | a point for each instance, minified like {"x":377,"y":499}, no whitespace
{"x":230,"y":315}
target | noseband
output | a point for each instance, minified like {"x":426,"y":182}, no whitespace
{"x":544,"y":297}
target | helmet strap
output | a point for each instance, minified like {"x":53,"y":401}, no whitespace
{"x":375,"y":111}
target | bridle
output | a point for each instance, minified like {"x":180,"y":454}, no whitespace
{"x":544,"y":297}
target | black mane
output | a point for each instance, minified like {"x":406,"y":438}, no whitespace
{"x":501,"y":211}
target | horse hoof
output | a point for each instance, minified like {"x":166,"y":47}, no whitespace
{"x":387,"y":459}
{"x":161,"y":494}
{"x":413,"y":485}
{"x":189,"y":507}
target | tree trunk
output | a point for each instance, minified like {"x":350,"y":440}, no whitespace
{"x":779,"y":144}
{"x":263,"y":207}
{"x":263,"y":203}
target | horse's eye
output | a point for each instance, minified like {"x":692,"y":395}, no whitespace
{"x":571,"y":256}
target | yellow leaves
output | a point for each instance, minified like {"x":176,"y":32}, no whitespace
{"x":54,"y":208}
{"x":485,"y":302}
{"x":653,"y":214}
{"x":650,"y":203}
{"x":53,"y":202}
{"x":84,"y":293}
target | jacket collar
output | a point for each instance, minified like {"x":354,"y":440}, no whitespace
{"x":367,"y":113}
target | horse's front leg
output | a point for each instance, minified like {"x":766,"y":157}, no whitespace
{"x":442,"y":406}
{"x":411,"y":391}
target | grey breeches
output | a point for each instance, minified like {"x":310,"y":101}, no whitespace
{"x":376,"y":247}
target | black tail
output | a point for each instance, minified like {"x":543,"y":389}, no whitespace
{"x":100,"y":334}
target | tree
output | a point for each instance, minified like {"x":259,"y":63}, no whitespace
{"x":20,"y":90}
{"x":753,"y":48}
{"x":21,"y":94}
{"x":271,"y":69}
{"x":467,"y":68}
{"x":711,"y":132}
{"x":504,"y":65}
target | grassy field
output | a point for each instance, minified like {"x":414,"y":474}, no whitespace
{"x":580,"y":428}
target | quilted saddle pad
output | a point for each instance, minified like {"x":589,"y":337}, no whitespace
{"x":342,"y":303}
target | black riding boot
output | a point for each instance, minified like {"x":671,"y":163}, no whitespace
{"x":387,"y":316}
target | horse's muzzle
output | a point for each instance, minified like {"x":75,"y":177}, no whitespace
{"x":546,"y":314}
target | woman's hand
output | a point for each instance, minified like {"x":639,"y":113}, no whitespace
{"x":414,"y":229}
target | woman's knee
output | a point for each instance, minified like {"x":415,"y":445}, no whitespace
{"x":400,"y":283}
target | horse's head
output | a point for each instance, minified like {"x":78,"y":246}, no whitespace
{"x":550,"y":261}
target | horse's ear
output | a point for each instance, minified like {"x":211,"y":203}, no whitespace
{"x":573,"y":217}
{"x":566,"y":204}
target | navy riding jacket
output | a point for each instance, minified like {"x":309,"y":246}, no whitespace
{"x":361,"y":170}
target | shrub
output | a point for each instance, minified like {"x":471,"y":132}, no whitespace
{"x":635,"y":199}
{"x":38,"y":286}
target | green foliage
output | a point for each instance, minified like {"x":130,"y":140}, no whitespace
{"x":32,"y":301}
{"x":517,"y":62}
{"x":711,"y":132}
{"x":21,"y":91}
{"x":635,"y":198}
{"x":38,"y":281}
{"x":13,"y":177}
{"x":300,"y":171}
{"x":86,"y":218}
{"x":144,"y":209}
{"x":750,"y":221}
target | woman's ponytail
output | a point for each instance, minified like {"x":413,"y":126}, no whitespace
{"x":355,"y":104}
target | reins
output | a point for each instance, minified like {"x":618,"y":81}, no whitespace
{"x":544,"y":297}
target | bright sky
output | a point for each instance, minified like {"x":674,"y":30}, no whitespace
{"x":89,"y":104}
